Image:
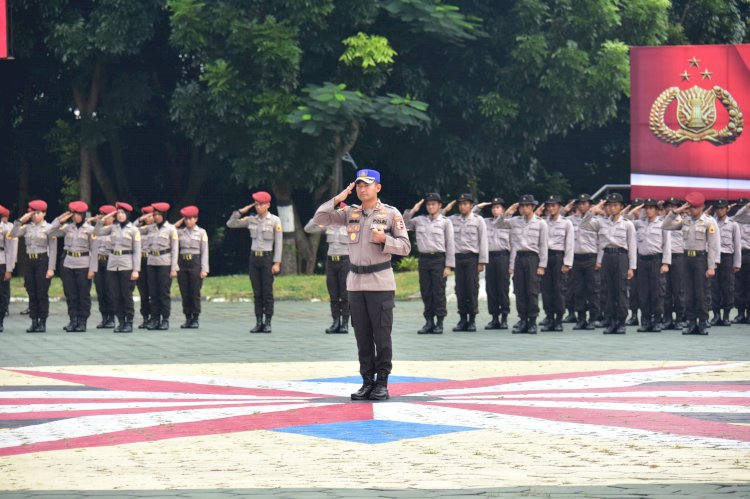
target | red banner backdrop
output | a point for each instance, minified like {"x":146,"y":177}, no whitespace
{"x":688,"y":105}
{"x":3,"y":29}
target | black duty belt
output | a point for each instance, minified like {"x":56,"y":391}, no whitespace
{"x":77,"y":253}
{"x":694,"y":253}
{"x":36,"y":256}
{"x":189,"y":256}
{"x":466,"y":255}
{"x":103,"y":258}
{"x":122,"y":252}
{"x":499,"y":253}
{"x":526,"y":254}
{"x":555,"y":252}
{"x":434,"y":254}
{"x":262,"y":253}
{"x":144,"y":254}
{"x":338,"y":258}
{"x":678,"y":255}
{"x":746,"y":251}
{"x":160,"y":252}
{"x":615,"y":250}
{"x":369,"y":269}
{"x":584,"y":256}
{"x":651,"y":257}
{"x":727,"y":255}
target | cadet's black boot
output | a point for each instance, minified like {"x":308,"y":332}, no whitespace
{"x":41,"y":325}
{"x":127,"y":326}
{"x":599,"y":324}
{"x":470,"y":324}
{"x":194,"y":324}
{"x":188,"y":320}
{"x":429,"y":325}
{"x":266,"y":325}
{"x":110,"y":323}
{"x":558,"y":325}
{"x":461,"y":326}
{"x":668,"y":322}
{"x":152,"y":322}
{"x":380,"y":390}
{"x":163,"y":324}
{"x":335,"y":325}
{"x":25,"y":311}
{"x":520,"y":327}
{"x":120,"y":324}
{"x":645,"y":325}
{"x":2,"y":318}
{"x":344,"y":328}
{"x":656,"y":324}
{"x":589,"y":324}
{"x":633,"y":321}
{"x":503,"y":321}
{"x":571,"y":317}
{"x":690,"y":327}
{"x":620,"y":328}
{"x":716,"y":318}
{"x":545,"y":323}
{"x":725,"y":318}
{"x":258,"y":324}
{"x":32,"y":328}
{"x":71,"y":325}
{"x":531,"y":325}
{"x":368,"y":383}
{"x":438,"y":329}
{"x":581,"y":324}
{"x":145,"y":319}
{"x":701,"y":329}
{"x":611,"y":326}
{"x":81,"y":325}
{"x":740,"y":318}
{"x":494,"y":323}
{"x":102,"y":324}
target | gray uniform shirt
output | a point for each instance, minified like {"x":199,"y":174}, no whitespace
{"x":742,"y":217}
{"x":611,"y":233}
{"x":699,"y":235}
{"x":586,"y":242}
{"x":498,"y":238}
{"x":731,"y":240}
{"x":121,"y":239}
{"x":145,"y":239}
{"x":163,"y":245}
{"x":266,"y":233}
{"x":652,"y":240}
{"x":336,"y":237}
{"x":194,"y":242}
{"x":362,"y":249}
{"x":561,"y":237}
{"x":434,"y":235}
{"x":37,"y":239}
{"x":77,"y":239}
{"x":8,"y":247}
{"x":470,"y":235}
{"x":526,"y":235}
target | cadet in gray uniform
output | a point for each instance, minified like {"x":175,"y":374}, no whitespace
{"x":472,"y":255}
{"x":742,"y":278}
{"x":560,"y":251}
{"x":437,"y":256}
{"x":142,"y":283}
{"x":123,"y":264}
{"x":162,"y":265}
{"x":633,"y":301}
{"x":193,"y":242}
{"x":79,"y":263}
{"x":528,"y":259}
{"x":496,"y":276}
{"x":337,"y":270}
{"x":585,"y":277}
{"x":8,"y":252}
{"x":376,"y":231}
{"x":674,"y":290}
{"x":701,"y":237}
{"x":41,"y":249}
{"x":103,"y":297}
{"x":730,"y":262}
{"x":265,"y":255}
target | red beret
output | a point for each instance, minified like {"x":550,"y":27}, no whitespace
{"x":37,"y":205}
{"x":342,"y":205}
{"x":262,"y":197}
{"x":162,"y":207}
{"x":78,"y":206}
{"x":189,"y":211}
{"x":4,"y":212}
{"x":695,"y":199}
{"x":107,"y":209}
{"x":147,"y":209}
{"x":123,"y":206}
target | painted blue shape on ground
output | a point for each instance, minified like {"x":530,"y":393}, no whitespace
{"x":391,"y":379}
{"x":373,"y":431}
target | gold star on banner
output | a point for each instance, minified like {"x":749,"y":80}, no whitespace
{"x":706,"y":74}
{"x":685,"y":76}
{"x":694,"y":62}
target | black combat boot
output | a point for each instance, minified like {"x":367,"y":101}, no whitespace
{"x":438,"y":329}
{"x":620,"y":328}
{"x":163,"y":324}
{"x":557,"y":326}
{"x":102,"y":324}
{"x":110,"y":323}
{"x":668,"y":323}
{"x":531,"y":325}
{"x":368,"y":383}
{"x":380,"y":390}
{"x":32,"y":328}
{"x":725,"y":318}
{"x":429,"y":325}
{"x":145,"y":319}
{"x":194,"y":324}
{"x":741,"y":317}
{"x":611,"y":326}
{"x":461,"y":326}
{"x":520,"y":327}
{"x":571,"y":317}
{"x":581,"y":324}
{"x":153,"y":322}
{"x":266,"y":325}
{"x":633,"y":321}
{"x":335,"y":325}
{"x":71,"y":325}
{"x":590,"y":324}
{"x":2,"y":319}
{"x":41,"y":325}
{"x":258,"y":324}
{"x":127,"y":327}
{"x":691,"y":327}
{"x":656,"y":324}
{"x":494,"y":323}
{"x":645,"y":325}
{"x":503,"y":321}
{"x":120,"y":324}
{"x":716,"y":318}
{"x":471,"y":325}
{"x":188,"y":320}
{"x":701,"y":329}
{"x":81,"y":325}
{"x":344,"y":328}
{"x":545,"y":323}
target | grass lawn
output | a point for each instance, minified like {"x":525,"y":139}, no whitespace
{"x":235,"y":287}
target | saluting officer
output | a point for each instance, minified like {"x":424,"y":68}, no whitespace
{"x":742,"y":278}
{"x":265,"y":255}
{"x":585,"y":276}
{"x":146,"y":219}
{"x":616,"y":257}
{"x":103,"y":296}
{"x":193,"y":242}
{"x":701,"y":236}
{"x":437,"y":256}
{"x":41,"y":249}
{"x":730,"y":262}
{"x":8,"y":253}
{"x":472,"y":255}
{"x":496,"y":276}
{"x":376,"y":231}
{"x":337,"y":269}
{"x":560,"y":251}
{"x":528,"y":259}
{"x":79,"y":263}
{"x":654,"y":260}
{"x":633,"y":300}
{"x":674,"y":290}
{"x":123,"y":264}
{"x":163,"y":244}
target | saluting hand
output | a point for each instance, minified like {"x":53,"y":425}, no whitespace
{"x":246,"y":208}
{"x":179,"y":222}
{"x":25,"y":218}
{"x":449,"y":206}
{"x":417,"y":206}
{"x":482,"y":205}
{"x":568,"y":207}
{"x":539,"y":211}
{"x":682,"y":208}
{"x":65,"y":216}
{"x":341,"y":196}
{"x":512,"y":210}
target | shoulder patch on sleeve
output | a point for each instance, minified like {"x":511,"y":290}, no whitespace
{"x":174,"y":235}
{"x":205,"y":237}
{"x":399,"y":222}
{"x":278,"y":227}
{"x":137,"y":236}
{"x":93,"y":237}
{"x":711,"y":228}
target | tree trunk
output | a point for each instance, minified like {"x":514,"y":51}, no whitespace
{"x":102,"y":179}
{"x":84,"y":175}
{"x":307,"y":246}
{"x":289,"y":243}
{"x":23,"y":184}
{"x":118,"y":168}
{"x":86,"y":108}
{"x":196,"y":176}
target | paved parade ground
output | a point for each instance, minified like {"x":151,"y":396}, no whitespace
{"x":218,"y":412}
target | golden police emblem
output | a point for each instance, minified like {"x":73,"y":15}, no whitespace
{"x":696,"y":116}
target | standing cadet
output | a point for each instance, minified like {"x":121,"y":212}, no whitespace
{"x":616,"y":258}
{"x":103,"y":296}
{"x":560,"y":252}
{"x":193,"y":242}
{"x":496,"y":276}
{"x":142,"y":283}
{"x":376,"y":231}
{"x":700,"y":235}
{"x":730,"y":262}
{"x":654,"y":259}
{"x":585,"y":277}
{"x":123,"y":264}
{"x":79,"y":263}
{"x":472,"y":254}
{"x":337,"y":269}
{"x":742,"y":281}
{"x":528,"y":259}
{"x":674,"y":290}
{"x":8,"y":252}
{"x":437,"y":256}
{"x":162,"y":266}
{"x":265,"y":255}
{"x":633,"y":301}
{"x":41,"y":249}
